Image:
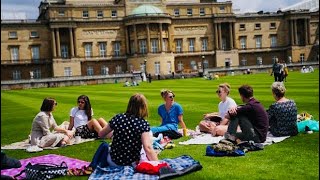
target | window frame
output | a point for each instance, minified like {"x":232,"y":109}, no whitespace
{"x":13,"y":35}
{"x":85,"y":14}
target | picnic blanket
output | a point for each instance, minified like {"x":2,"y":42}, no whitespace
{"x":179,"y":166}
{"x":205,"y":138}
{"x":50,"y":158}
{"x":26,"y":143}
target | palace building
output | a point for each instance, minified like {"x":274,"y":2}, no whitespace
{"x":105,"y":37}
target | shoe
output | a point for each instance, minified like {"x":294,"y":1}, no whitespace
{"x":8,"y":163}
{"x":230,"y":137}
{"x":34,"y":149}
{"x":308,"y":130}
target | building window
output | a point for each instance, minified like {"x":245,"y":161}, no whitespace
{"x":116,"y":48}
{"x":103,"y":49}
{"x":89,"y":71}
{"x":189,"y":12}
{"x":169,"y":67}
{"x":99,"y":14}
{"x":143,"y":46}
{"x":202,"y":12}
{"x":132,"y":47}
{"x":154,"y":45}
{"x":242,"y":27}
{"x":258,"y":41}
{"x":114,"y":13}
{"x":180,"y":66}
{"x":191,"y":45}
{"x":118,"y":69}
{"x":243,"y":62}
{"x":222,"y":8}
{"x":204,"y":44}
{"x":67,"y":71}
{"x":193,"y":65}
{"x":206,"y":63}
{"x":37,"y":73}
{"x":16,"y":75}
{"x":13,"y":35}
{"x":64,"y":51}
{"x":35,"y":52}
{"x":274,"y":59}
{"x":272,"y":25}
{"x":273,"y":40}
{"x":85,"y":14}
{"x":104,"y":70}
{"x":156,"y":68}
{"x":176,"y":12}
{"x":302,"y":57}
{"x":243,"y":42}
{"x":14,"y":53}
{"x":259,"y":61}
{"x":179,"y":45}
{"x":88,"y":50}
{"x":61,"y":12}
{"x":224,"y":43}
{"x":165,"y":45}
{"x":34,"y":34}
{"x":257,"y":26}
{"x":131,"y":68}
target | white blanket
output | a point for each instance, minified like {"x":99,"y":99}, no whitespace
{"x":205,"y":138}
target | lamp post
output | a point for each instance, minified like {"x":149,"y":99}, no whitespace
{"x":145,"y":68}
{"x":203,"y":57}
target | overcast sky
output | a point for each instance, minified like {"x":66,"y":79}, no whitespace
{"x":30,"y":7}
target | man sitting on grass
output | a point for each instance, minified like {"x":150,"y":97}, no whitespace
{"x":251,"y":117}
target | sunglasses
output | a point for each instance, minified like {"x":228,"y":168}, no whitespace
{"x":81,"y":102}
{"x":56,"y":104}
{"x":171,"y":97}
{"x":218,"y":91}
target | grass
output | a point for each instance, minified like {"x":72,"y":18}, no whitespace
{"x":294,"y":158}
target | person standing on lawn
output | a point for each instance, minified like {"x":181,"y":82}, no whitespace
{"x":41,"y":135}
{"x":276,"y":71}
{"x":219,"y":127}
{"x":251,"y":117}
{"x":130,"y":132}
{"x":282,"y":113}
{"x":81,"y":119}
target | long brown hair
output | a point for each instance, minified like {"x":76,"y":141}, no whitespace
{"x":87,"y":106}
{"x":138,"y":106}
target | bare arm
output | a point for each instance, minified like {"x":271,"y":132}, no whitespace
{"x":183,"y":125}
{"x":71,"y":123}
{"x":106,"y":130}
{"x":147,"y":146}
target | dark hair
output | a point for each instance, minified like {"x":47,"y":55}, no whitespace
{"x":138,"y":106}
{"x":87,"y":106}
{"x":47,"y":104}
{"x":246,"y":91}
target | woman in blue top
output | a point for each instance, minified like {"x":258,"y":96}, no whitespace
{"x":171,"y":114}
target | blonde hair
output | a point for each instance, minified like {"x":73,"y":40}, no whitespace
{"x":138,"y":106}
{"x":164,"y":93}
{"x":278,"y":89}
{"x":226,"y":87}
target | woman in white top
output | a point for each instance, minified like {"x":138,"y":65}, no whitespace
{"x":216,"y":123}
{"x":81,"y":119}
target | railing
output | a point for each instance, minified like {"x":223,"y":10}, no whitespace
{"x":26,"y":61}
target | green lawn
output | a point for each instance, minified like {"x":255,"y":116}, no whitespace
{"x":294,"y":158}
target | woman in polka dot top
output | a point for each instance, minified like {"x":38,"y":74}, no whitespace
{"x":130,"y":132}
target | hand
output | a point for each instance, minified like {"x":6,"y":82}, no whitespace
{"x":69,"y":133}
{"x":233,"y":111}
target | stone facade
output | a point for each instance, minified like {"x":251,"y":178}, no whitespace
{"x":100,"y":37}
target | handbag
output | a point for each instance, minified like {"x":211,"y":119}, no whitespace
{"x":44,"y":171}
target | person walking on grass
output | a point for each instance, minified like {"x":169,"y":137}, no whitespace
{"x":251,"y":117}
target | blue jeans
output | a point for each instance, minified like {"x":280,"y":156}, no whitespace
{"x":167,"y":127}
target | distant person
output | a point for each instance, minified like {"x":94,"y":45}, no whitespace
{"x":131,"y":134}
{"x":171,"y":114}
{"x":216,"y":123}
{"x":172,"y":75}
{"x":126,"y":84}
{"x":43,"y":123}
{"x":311,"y":69}
{"x":149,"y":78}
{"x":282,"y":113}
{"x":276,"y":70}
{"x":81,"y":118}
{"x":251,"y":117}
{"x":286,"y":72}
{"x":304,"y":69}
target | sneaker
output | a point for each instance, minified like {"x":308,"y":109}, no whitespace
{"x":34,"y":149}
{"x":308,"y":130}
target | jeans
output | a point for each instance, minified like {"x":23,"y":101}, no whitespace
{"x":163,"y":128}
{"x":247,"y":131}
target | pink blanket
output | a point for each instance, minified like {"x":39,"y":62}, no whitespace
{"x":50,"y":158}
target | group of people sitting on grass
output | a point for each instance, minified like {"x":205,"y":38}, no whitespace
{"x":130,"y":131}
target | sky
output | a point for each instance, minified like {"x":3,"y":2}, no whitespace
{"x":30,"y":7}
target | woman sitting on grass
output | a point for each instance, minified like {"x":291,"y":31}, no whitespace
{"x":131,"y":132}
{"x":282,"y":113}
{"x":81,"y":119}
{"x":40,"y":132}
